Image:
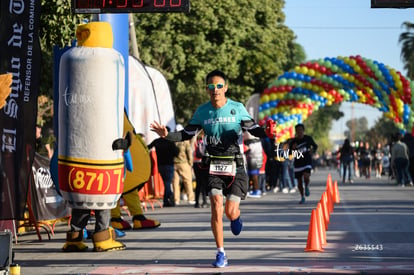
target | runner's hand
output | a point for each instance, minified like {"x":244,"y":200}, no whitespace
{"x":160,"y":129}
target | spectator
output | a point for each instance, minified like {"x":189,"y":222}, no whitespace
{"x":272,"y":165}
{"x":254,"y":158}
{"x":409,"y":140}
{"x":166,"y":152}
{"x":286,"y":160}
{"x":400,"y":160}
{"x":378,"y":154}
{"x":347,"y":156}
{"x":183,"y":163}
{"x":262,"y":174}
{"x":44,"y":144}
{"x":365,"y":160}
{"x":200,"y":171}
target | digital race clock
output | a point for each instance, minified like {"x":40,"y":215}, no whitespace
{"x":130,"y":6}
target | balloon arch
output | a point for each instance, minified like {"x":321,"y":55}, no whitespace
{"x":297,"y":93}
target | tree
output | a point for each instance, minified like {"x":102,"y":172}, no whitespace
{"x":246,"y":39}
{"x":382,"y":132}
{"x":298,"y":55}
{"x":358,"y":127}
{"x":407,"y":49}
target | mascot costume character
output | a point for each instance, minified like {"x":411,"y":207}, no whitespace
{"x":134,"y":180}
{"x":90,"y":144}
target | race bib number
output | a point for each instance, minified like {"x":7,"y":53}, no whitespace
{"x":225,"y":166}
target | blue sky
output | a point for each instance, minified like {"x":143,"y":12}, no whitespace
{"x":331,"y":28}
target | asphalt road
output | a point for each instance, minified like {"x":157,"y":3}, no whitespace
{"x":370,"y":231}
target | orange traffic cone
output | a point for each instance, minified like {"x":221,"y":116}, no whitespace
{"x":329,"y":183}
{"x":336,"y":193}
{"x":314,"y":240}
{"x":329,"y":200}
{"x":325,"y":209}
{"x":321,"y":223}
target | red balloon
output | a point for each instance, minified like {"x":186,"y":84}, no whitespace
{"x":262,"y":122}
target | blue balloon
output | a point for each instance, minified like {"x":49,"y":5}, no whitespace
{"x":273,"y":103}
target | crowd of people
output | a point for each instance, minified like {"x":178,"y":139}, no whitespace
{"x":286,"y":165}
{"x":394,"y":160}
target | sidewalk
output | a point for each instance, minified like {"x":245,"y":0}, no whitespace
{"x":372,"y":214}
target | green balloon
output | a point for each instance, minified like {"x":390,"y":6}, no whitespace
{"x":282,"y":81}
{"x":261,"y":116}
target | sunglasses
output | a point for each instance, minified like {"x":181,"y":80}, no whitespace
{"x":213,"y":86}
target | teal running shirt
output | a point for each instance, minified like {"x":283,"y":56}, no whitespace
{"x":223,"y":127}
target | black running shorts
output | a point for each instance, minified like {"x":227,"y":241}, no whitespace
{"x":237,"y":186}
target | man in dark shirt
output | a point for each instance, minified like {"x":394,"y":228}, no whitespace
{"x":303,"y":147}
{"x":166,"y":151}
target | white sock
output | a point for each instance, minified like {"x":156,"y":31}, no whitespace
{"x":221,"y":249}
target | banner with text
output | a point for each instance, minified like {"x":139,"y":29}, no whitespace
{"x":20,"y":56}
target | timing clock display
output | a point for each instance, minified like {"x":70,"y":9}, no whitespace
{"x":130,"y":6}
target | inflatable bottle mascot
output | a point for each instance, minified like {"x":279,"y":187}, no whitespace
{"x":90,"y":144}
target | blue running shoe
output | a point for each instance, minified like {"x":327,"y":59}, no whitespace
{"x":307,"y":192}
{"x":236,"y":226}
{"x":302,"y":201}
{"x":255,"y":194}
{"x":221,"y":260}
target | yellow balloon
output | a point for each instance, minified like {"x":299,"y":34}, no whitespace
{"x":398,"y":84}
{"x":311,"y":72}
{"x":264,"y":99}
{"x":370,"y":92}
{"x":399,"y":103}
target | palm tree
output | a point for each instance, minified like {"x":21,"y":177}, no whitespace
{"x":407,"y":50}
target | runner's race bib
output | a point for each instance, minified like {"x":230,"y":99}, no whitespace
{"x":222,"y":166}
